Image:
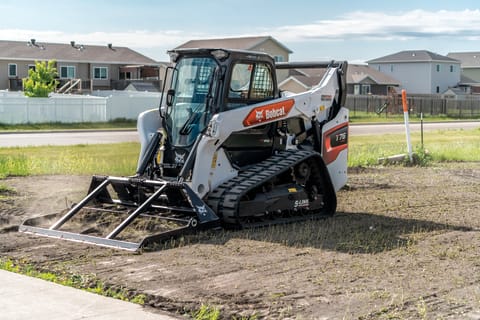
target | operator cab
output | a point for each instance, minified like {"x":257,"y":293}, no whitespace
{"x":205,"y":82}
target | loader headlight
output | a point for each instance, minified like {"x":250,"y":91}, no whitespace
{"x":173,"y":56}
{"x":213,"y":127}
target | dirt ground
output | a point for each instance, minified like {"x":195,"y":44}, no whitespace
{"x":405,"y":244}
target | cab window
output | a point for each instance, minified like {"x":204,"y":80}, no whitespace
{"x":249,"y":83}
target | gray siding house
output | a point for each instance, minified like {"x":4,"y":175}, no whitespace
{"x":420,"y":71}
{"x":98,"y":67}
{"x":470,"y":64}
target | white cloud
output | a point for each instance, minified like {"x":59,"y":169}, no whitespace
{"x":135,"y":38}
{"x":361,"y":25}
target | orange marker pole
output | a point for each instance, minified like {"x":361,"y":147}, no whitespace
{"x":407,"y":126}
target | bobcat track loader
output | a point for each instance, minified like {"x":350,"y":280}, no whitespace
{"x":225,"y":148}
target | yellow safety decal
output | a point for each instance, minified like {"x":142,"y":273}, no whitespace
{"x":214,"y":160}
{"x":292,"y":190}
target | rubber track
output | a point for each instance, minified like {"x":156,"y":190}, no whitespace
{"x":224,"y":200}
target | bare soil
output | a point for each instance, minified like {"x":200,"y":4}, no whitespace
{"x":405,"y":244}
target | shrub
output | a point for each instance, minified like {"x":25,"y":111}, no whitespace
{"x":41,"y":80}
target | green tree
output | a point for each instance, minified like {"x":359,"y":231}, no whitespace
{"x":41,"y":81}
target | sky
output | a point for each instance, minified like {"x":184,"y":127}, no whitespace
{"x":356,"y":31}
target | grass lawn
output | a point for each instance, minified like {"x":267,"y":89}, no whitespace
{"x":121,"y":158}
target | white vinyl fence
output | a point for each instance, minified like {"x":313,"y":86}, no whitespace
{"x":128,"y":104}
{"x":102,"y":106}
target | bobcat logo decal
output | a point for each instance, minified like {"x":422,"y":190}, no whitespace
{"x":202,"y":210}
{"x":179,"y":158}
{"x":259,"y":115}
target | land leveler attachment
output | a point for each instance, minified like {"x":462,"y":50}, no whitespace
{"x":140,"y":211}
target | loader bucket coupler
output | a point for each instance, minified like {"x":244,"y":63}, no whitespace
{"x":127,"y":213}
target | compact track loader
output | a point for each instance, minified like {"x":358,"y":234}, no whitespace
{"x":225,"y":148}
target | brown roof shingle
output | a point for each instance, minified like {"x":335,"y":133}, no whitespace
{"x":413,"y":56}
{"x":356,"y":73}
{"x":240,"y":43}
{"x":467,"y":59}
{"x":18,"y":50}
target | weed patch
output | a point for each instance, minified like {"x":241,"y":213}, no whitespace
{"x":206,"y":313}
{"x":6,"y":191}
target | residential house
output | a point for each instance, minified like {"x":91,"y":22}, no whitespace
{"x":420,"y":71}
{"x":96,"y":67}
{"x":265,"y":44}
{"x":360,"y":80}
{"x":466,"y":87}
{"x":470,"y":64}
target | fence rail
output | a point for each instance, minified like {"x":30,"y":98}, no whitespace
{"x":432,"y":105}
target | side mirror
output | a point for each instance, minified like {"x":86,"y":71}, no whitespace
{"x":170,"y":95}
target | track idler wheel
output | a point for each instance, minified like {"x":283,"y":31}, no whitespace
{"x":302,"y":172}
{"x":193,"y":223}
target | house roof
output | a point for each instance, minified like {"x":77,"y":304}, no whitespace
{"x":464,"y":80}
{"x":307,"y":81}
{"x":355,"y":74}
{"x":467,"y":59}
{"x":23,"y":50}
{"x":413,"y":56}
{"x":241,"y":43}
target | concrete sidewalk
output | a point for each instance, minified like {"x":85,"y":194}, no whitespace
{"x":23,"y":297}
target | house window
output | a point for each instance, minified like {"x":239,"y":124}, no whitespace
{"x":12,"y":69}
{"x":31,"y":67}
{"x":67,"y":72}
{"x":356,"y":89}
{"x":366,"y":89}
{"x":100,"y":73}
{"x":249,"y":82}
{"x":438,"y":89}
{"x":125,"y":75}
{"x":438,"y":68}
{"x":278,"y":58}
{"x":391,"y":68}
{"x":451,"y":68}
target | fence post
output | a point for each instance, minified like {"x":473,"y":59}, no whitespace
{"x":471,"y":107}
{"x":28,"y":109}
{"x":83,"y":110}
